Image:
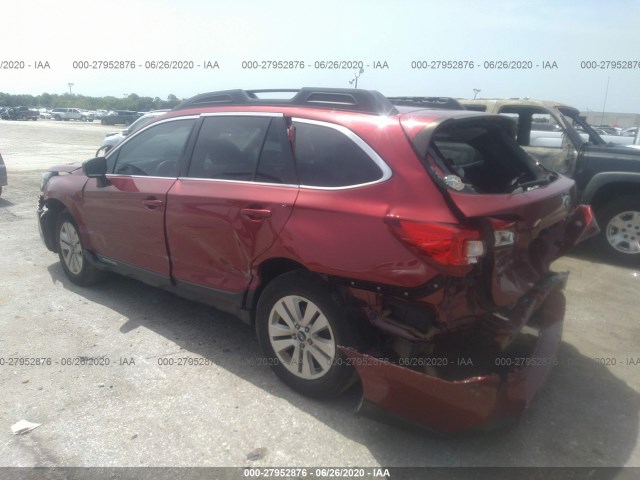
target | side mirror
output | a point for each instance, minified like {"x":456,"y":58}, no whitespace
{"x":95,"y":168}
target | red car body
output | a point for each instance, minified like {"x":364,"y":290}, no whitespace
{"x":445,"y":280}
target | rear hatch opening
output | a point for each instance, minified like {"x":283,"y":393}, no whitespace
{"x":520,"y":209}
{"x":479,"y":155}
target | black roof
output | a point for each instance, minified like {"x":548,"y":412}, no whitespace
{"x":347,"y":99}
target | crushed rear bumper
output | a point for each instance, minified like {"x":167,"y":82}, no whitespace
{"x":484,"y":400}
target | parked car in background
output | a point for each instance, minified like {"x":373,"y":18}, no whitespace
{"x":630,"y":132}
{"x":44,"y":114}
{"x":3,"y":174}
{"x":636,"y":141}
{"x":361,"y":239}
{"x":100,"y":113}
{"x":606,"y":131}
{"x":607,"y":176}
{"x":89,"y":115}
{"x":113,"y":138}
{"x":20,"y":113}
{"x":71,"y":114}
{"x":120,"y":117}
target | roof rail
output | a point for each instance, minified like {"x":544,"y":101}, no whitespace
{"x":447,"y":103}
{"x":348,"y":99}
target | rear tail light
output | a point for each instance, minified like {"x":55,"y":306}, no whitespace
{"x":451,"y":247}
{"x":504,"y":232}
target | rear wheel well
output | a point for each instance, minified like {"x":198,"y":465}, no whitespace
{"x":612,"y":191}
{"x":267,"y":271}
{"x":276,"y":267}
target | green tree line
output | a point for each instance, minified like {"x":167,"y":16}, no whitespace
{"x":48,"y":100}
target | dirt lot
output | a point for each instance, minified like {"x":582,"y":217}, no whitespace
{"x":137,"y":412}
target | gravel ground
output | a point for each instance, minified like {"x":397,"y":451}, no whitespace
{"x":137,"y":411}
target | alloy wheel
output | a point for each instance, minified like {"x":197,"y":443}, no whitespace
{"x":71,"y":248}
{"x":623,"y":232}
{"x":301,"y":337}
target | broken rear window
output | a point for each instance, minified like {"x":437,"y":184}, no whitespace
{"x":480,"y":156}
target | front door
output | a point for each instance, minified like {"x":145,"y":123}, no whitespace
{"x":125,"y":218}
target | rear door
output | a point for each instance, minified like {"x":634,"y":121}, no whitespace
{"x":236,"y":197}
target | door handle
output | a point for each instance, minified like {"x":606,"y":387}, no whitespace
{"x":255,"y":214}
{"x":152,"y":203}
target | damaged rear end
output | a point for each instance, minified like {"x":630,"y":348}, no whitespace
{"x":472,"y":347}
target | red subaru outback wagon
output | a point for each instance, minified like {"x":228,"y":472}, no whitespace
{"x":408,"y":248}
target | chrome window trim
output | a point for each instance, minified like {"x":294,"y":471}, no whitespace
{"x":242,"y":114}
{"x":246,"y":182}
{"x":370,"y":152}
{"x":364,"y":146}
{"x":140,"y":176}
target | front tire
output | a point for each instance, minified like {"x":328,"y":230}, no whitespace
{"x":619,"y":222}
{"x":300,"y":322}
{"x":72,"y":254}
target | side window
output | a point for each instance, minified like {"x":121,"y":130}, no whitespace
{"x":228,"y":147}
{"x":545,"y":131}
{"x":156,"y":152}
{"x":326,"y":157}
{"x":540,"y":135}
{"x":276,"y":161}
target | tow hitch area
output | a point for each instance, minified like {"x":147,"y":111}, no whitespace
{"x":466,"y":389}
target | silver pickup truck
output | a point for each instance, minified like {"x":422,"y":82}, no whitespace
{"x":71,"y":114}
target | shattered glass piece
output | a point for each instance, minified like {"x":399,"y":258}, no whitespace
{"x":455,"y":182}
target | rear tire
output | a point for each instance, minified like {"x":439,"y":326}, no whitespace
{"x":73,"y":257}
{"x":300,"y":322}
{"x":619,"y":222}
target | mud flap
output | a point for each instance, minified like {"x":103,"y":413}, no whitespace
{"x":391,"y":392}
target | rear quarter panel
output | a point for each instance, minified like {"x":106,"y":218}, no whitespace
{"x":343,"y":232}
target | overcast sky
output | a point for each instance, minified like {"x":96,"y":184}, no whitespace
{"x":229,"y":32}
